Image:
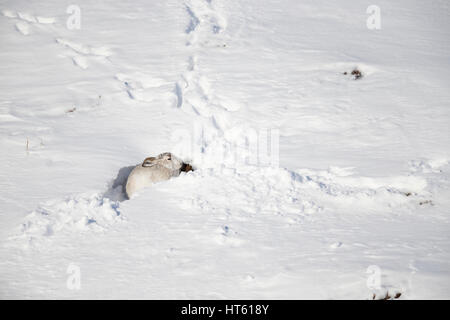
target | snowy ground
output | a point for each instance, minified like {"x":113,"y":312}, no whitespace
{"x":361,"y":193}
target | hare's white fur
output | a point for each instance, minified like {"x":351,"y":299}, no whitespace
{"x":152,"y":170}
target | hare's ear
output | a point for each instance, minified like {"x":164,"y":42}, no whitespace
{"x":148,"y":162}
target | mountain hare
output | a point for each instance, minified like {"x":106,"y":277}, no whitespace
{"x":154,"y":169}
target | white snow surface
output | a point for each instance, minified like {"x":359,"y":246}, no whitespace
{"x":363,"y":178}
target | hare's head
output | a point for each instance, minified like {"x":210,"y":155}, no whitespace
{"x":166,"y":160}
{"x":169,"y":161}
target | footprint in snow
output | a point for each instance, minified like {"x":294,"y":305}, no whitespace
{"x":23,"y":28}
{"x":227,"y":236}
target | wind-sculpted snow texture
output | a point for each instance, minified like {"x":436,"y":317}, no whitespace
{"x":356,"y":203}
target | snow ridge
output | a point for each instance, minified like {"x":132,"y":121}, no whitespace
{"x":80,"y":213}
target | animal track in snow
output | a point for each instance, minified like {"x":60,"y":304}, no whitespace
{"x":45,"y":20}
{"x":83,"y":49}
{"x":179,"y":94}
{"x":26,"y":19}
{"x":8,"y":13}
{"x":80,"y":52}
{"x":194,"y":21}
{"x":204,"y":18}
{"x":23,"y":28}
{"x":428,"y":166}
{"x":228,"y":236}
{"x":80,"y":62}
{"x":143,"y":88}
{"x":194,"y":91}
